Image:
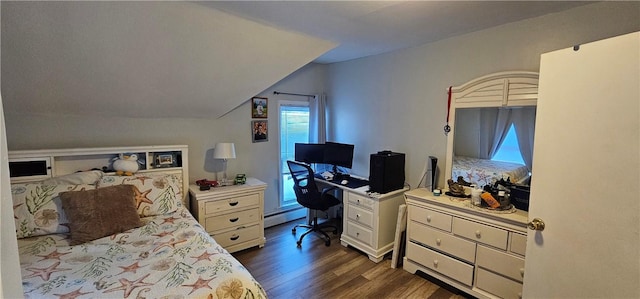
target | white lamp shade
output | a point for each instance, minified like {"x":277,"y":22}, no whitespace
{"x":224,"y":151}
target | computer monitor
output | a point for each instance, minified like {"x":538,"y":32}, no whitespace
{"x":309,"y":153}
{"x":338,"y":154}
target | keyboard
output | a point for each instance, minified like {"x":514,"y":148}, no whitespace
{"x":352,"y":182}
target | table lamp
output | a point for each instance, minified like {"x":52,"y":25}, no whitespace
{"x":224,"y":151}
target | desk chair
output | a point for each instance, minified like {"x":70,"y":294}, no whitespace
{"x":308,"y":196}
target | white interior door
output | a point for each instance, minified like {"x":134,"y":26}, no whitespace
{"x":586,"y":174}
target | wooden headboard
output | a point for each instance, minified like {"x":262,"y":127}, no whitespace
{"x":37,"y":165}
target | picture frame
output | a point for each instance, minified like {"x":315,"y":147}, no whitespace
{"x":259,"y":107}
{"x":259,"y":131}
{"x":164,"y":160}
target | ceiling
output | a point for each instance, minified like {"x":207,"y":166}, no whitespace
{"x":202,"y":59}
{"x":364,"y":28}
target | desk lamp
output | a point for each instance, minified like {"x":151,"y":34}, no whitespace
{"x":224,"y":152}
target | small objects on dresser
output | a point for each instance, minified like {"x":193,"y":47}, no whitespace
{"x":126,"y":164}
{"x":490,"y":200}
{"x":455,"y":189}
{"x":205,"y":184}
{"x":437,"y":192}
{"x":240,"y":179}
{"x":462,"y":182}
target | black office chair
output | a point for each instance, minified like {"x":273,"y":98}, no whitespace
{"x":309,"y":196}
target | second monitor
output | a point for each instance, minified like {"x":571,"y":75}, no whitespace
{"x":332,"y":153}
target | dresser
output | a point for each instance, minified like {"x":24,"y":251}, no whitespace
{"x":477,"y":251}
{"x":233,"y":215}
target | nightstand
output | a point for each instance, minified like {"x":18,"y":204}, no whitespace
{"x":233,"y":215}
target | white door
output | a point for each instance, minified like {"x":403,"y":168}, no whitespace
{"x":586,"y":174}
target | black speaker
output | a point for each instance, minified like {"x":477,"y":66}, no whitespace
{"x":386,"y":172}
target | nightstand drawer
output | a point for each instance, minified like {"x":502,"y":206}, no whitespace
{"x":238,"y":236}
{"x":221,"y":222}
{"x":481,"y":233}
{"x":500,"y":262}
{"x":236,"y":202}
{"x":441,"y":263}
{"x":439,"y":240}
{"x":498,"y":285}
{"x":431,"y":218}
{"x":361,"y":216}
{"x":360,"y":233}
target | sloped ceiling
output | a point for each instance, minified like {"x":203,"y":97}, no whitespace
{"x":141,"y":59}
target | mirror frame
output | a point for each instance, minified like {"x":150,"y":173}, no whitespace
{"x":502,"y":89}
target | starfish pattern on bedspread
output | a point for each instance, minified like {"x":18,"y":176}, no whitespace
{"x":131,"y":268}
{"x":129,"y":285}
{"x":200,"y":283}
{"x":45,"y":273}
{"x":54,"y":255}
{"x":72,"y":295}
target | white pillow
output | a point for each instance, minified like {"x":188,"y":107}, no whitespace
{"x":84,"y":177}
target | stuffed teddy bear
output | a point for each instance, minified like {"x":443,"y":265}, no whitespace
{"x":126,"y":164}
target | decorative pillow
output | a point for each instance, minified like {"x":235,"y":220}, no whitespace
{"x":98,"y":213}
{"x":156,"y":194}
{"x":37,"y":209}
{"x":83,"y":177}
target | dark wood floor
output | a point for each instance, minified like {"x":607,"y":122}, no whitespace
{"x":317,"y":271}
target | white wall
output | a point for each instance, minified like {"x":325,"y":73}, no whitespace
{"x":398,"y":101}
{"x":38,"y":131}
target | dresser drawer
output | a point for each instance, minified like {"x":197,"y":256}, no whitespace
{"x":235,"y":219}
{"x":238,"y":236}
{"x":360,"y":201}
{"x":501,"y":263}
{"x":439,"y":240}
{"x":440,"y":263}
{"x":481,"y":233}
{"x":236,"y":202}
{"x":498,"y":285}
{"x":361,"y":216}
{"x":518,"y":243}
{"x":359,"y":233}
{"x":432,"y":218}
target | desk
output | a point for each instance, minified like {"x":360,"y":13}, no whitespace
{"x":369,"y":219}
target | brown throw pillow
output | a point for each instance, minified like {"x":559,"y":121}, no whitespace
{"x":98,"y":213}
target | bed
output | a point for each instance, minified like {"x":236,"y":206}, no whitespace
{"x":486,"y":172}
{"x":68,"y":249}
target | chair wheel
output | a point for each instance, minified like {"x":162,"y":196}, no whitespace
{"x":335,"y":232}
{"x":299,"y":244}
{"x":327,"y":243}
{"x":293,"y":231}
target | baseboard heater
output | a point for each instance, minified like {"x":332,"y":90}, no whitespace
{"x":284,"y":216}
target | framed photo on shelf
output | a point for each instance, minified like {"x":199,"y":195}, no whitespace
{"x":259,"y":131}
{"x":163,"y":160}
{"x":259,"y":107}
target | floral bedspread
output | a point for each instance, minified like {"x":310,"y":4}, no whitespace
{"x":171,"y":256}
{"x":486,"y":172}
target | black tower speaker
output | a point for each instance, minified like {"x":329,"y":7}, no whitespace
{"x":386,"y":172}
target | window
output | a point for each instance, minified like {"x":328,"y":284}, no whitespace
{"x":294,"y":128}
{"x":509,"y":151}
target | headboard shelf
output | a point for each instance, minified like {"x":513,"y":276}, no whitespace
{"x":36,"y":165}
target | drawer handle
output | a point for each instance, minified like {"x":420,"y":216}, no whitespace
{"x":233,"y":219}
{"x":233,"y":204}
{"x":438,"y":241}
{"x":358,"y":201}
{"x":522,"y":272}
{"x":234,"y":237}
{"x":520,"y":295}
{"x":435,"y":263}
{"x":429,"y":218}
{"x":357,"y":216}
{"x":478,"y":235}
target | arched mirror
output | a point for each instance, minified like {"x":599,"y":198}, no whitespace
{"x":490,"y":117}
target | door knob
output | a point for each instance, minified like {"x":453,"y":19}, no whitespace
{"x":536,"y":224}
